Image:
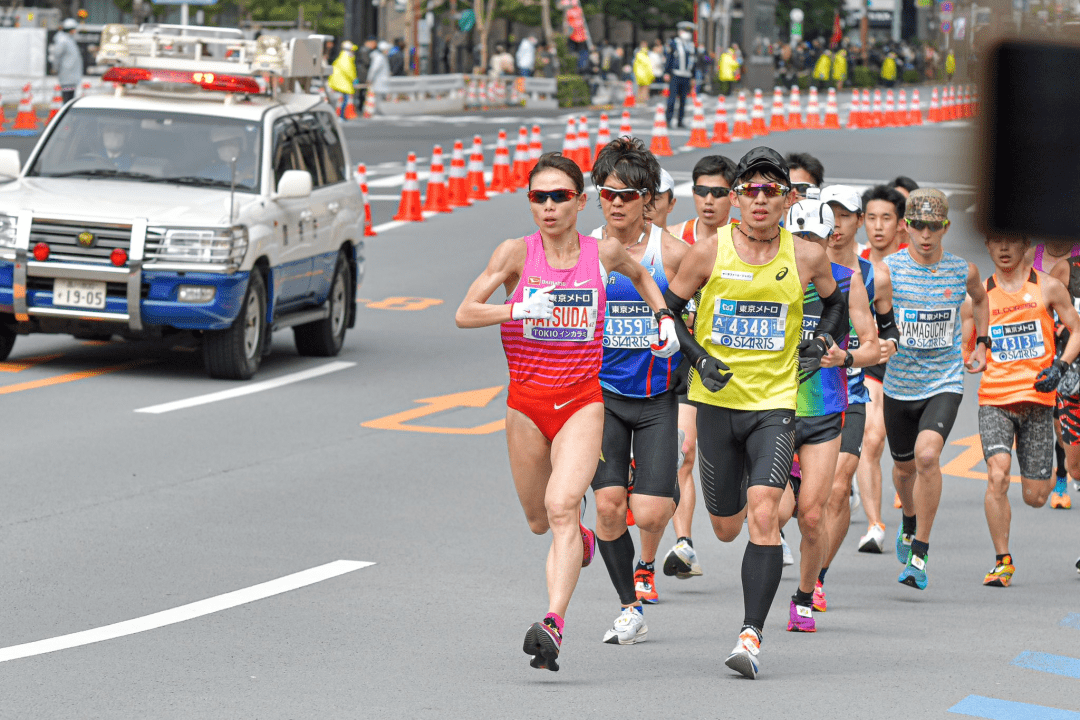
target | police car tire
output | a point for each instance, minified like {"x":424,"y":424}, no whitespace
{"x":225,"y":352}
{"x":7,"y":341}
{"x":324,"y":338}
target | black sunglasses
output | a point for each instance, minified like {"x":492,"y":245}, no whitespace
{"x":539,"y":197}
{"x":716,"y":191}
{"x":801,"y":188}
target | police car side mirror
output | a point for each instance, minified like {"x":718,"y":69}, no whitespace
{"x":294,"y":184}
{"x":9,"y":163}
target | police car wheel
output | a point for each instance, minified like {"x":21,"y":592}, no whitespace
{"x":324,"y":338}
{"x":235,"y":353}
{"x":7,"y":341}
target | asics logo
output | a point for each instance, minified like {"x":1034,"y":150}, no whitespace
{"x":579,"y":283}
{"x":782,"y":274}
{"x":560,"y":407}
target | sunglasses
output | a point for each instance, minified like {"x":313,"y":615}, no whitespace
{"x":801,"y":188}
{"x":771,"y":190}
{"x":716,"y":191}
{"x":539,"y":197}
{"x":920,"y":225}
{"x":627,"y":194}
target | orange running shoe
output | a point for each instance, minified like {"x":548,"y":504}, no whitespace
{"x":1002,"y":573}
{"x":896,"y":501}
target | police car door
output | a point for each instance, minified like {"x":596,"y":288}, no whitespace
{"x":330,"y":198}
{"x":292,"y":269}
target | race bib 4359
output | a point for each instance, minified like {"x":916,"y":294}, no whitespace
{"x":749,"y":325}
{"x":573,"y":320}
{"x":629,"y":324}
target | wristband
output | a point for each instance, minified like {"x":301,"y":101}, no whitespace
{"x":663,"y":312}
{"x":826,"y":339}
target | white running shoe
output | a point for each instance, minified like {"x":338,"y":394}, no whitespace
{"x":874,"y":540}
{"x":681,"y":561}
{"x":628,"y":628}
{"x":788,"y":559}
{"x":855,"y":500}
{"x":744,"y":658}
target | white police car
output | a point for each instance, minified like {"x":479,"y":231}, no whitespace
{"x":207,"y":193}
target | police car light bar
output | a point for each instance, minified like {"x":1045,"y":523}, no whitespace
{"x":205,"y":80}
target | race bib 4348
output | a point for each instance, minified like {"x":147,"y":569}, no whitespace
{"x":749,"y":325}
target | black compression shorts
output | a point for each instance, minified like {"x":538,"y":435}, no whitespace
{"x":905,"y":419}
{"x":741,"y":448}
{"x":651,"y":427}
{"x":876,"y":372}
{"x":854,"y":424}
{"x":817,"y":430}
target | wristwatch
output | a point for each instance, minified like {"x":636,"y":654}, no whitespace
{"x":663,"y":312}
{"x":849,"y":359}
{"x":827,"y":340}
{"x":984,"y":339}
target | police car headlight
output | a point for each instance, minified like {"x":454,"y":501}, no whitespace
{"x":8,"y":225}
{"x":224,"y":246}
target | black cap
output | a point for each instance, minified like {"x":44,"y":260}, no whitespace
{"x":762,"y":157}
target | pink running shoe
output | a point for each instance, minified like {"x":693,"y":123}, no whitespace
{"x":820,"y":603}
{"x":588,"y":545}
{"x":801,"y":619}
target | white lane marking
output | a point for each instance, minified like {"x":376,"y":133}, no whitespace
{"x":388,"y":226}
{"x":184,"y":612}
{"x":246,"y":389}
{"x":377,"y":198}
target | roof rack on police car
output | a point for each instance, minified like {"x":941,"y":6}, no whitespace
{"x":203,"y":50}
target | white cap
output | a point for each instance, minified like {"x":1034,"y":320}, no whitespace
{"x":666,"y":181}
{"x":845,"y":195}
{"x":812,"y":216}
{"x":69,"y":24}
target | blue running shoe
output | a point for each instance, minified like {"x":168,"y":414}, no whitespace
{"x":914,"y":573}
{"x":903,"y":545}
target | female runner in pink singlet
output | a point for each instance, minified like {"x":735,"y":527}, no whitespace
{"x":552,"y":330}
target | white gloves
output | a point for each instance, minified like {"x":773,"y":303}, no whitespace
{"x":537,"y":306}
{"x":669,"y":343}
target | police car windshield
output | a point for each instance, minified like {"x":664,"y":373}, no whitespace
{"x":156,"y":147}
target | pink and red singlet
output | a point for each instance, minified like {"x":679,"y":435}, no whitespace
{"x":555,"y":363}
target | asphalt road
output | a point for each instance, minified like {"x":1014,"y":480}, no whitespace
{"x":110,"y":515}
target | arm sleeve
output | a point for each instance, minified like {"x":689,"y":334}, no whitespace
{"x":834,"y":315}
{"x":886,"y":325}
{"x":689,"y":346}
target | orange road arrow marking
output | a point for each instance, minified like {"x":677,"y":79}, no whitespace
{"x":431,"y":406}
{"x":20,"y":365}
{"x":963,"y":465}
{"x":70,"y":377}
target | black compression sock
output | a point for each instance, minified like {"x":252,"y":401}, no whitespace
{"x":687,"y":540}
{"x":1060,"y":453}
{"x":802,"y":598}
{"x":651,"y":567}
{"x":909,"y":525}
{"x":918,"y":547}
{"x":821,"y":575}
{"x":619,"y":558}
{"x":761,"y":569}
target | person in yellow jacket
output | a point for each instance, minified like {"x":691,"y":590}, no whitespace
{"x":343,"y":77}
{"x":643,"y":72}
{"x":888,"y":69}
{"x":950,"y":66}
{"x":839,"y":68}
{"x":728,"y":70}
{"x":823,"y":69}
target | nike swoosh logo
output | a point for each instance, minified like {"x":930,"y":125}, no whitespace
{"x":560,"y":407}
{"x":579,"y":283}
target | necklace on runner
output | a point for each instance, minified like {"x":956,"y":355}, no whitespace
{"x":754,"y":239}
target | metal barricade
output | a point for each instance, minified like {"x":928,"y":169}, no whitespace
{"x":406,"y":95}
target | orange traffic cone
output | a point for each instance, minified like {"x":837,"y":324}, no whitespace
{"x":501,"y":181}
{"x":476,"y":184}
{"x":813,"y":111}
{"x":472,"y":100}
{"x":742,"y":122}
{"x":629,"y":101}
{"x":660,"y":145}
{"x":949,"y":105}
{"x":459,"y":183}
{"x":85,"y":88}
{"x":409,"y":209}
{"x":584,"y":148}
{"x":854,"y":118}
{"x":832,"y":112}
{"x":934,"y":113}
{"x":536,"y":147}
{"x":3,"y":120}
{"x":603,"y":135}
{"x":757,"y":116}
{"x":867,"y":110}
{"x":625,"y":130}
{"x":57,"y":102}
{"x":521,"y":158}
{"x":794,"y":113}
{"x":915,"y":111}
{"x":438,"y":195}
{"x":569,"y":143}
{"x":890,"y":109}
{"x":777,"y":122}
{"x":361,"y":179}
{"x":720,"y":132}
{"x":350,"y":109}
{"x":699,"y":135}
{"x":878,"y":114}
{"x":26,"y":119}
{"x":901,"y":108}
{"x":369,"y":104}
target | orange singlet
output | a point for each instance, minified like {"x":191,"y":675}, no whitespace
{"x":1021,"y":344}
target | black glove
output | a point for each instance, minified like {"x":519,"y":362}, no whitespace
{"x":810,"y":353}
{"x":713,"y":373}
{"x":1049,"y":377}
{"x":680,"y":379}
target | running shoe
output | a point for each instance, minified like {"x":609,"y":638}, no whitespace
{"x":800,"y":619}
{"x":1060,"y":501}
{"x":788,"y":558}
{"x":903,"y":545}
{"x":588,"y":545}
{"x":854,"y":500}
{"x":744,"y":658}
{"x":874,"y":540}
{"x":896,"y":501}
{"x":820,"y":603}
{"x":1076,"y":485}
{"x":914,"y":573}
{"x":628,"y":628}
{"x":681,"y":561}
{"x":645,"y":586}
{"x":1078,"y":565}
{"x":1002,"y":573}
{"x":542,"y":641}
